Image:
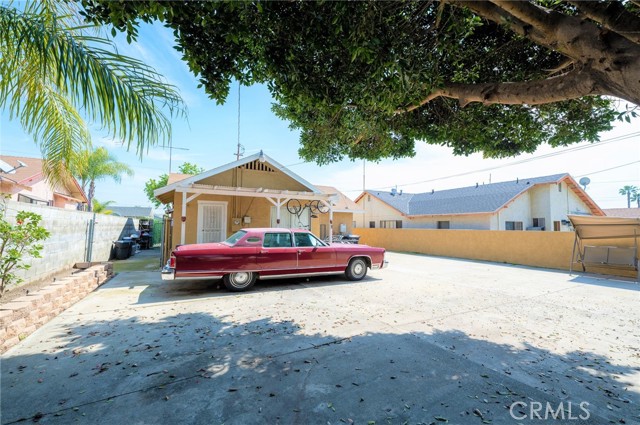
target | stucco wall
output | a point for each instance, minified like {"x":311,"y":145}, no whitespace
{"x":69,"y":238}
{"x":538,"y":249}
{"x":375,"y":210}
{"x":475,"y":221}
{"x":258,"y":209}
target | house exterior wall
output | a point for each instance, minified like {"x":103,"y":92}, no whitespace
{"x":471,"y":221}
{"x":255,"y":179}
{"x":258,"y":209}
{"x":42,"y":190}
{"x":375,"y":210}
{"x":541,"y":201}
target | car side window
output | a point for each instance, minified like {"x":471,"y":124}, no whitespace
{"x":303,"y":239}
{"x":277,"y":240}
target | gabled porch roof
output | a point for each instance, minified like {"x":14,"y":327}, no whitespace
{"x":193,"y":185}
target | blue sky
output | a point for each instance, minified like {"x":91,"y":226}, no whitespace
{"x":211,"y":136}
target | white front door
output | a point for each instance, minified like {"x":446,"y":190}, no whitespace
{"x":212,"y":221}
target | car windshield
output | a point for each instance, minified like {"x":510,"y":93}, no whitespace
{"x":233,"y":239}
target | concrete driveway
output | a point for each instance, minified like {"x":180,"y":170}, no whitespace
{"x":428,"y":340}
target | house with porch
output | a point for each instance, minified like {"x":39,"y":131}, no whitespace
{"x":23,"y":179}
{"x":255,"y":191}
{"x":538,"y":203}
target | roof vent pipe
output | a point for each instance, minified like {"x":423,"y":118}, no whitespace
{"x":517,"y":180}
{"x":432,"y":191}
{"x":476,"y":185}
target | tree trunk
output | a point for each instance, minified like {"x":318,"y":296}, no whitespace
{"x":628,"y":199}
{"x":92,"y":191}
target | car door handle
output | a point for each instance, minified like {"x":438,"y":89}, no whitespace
{"x":264,"y":251}
{"x":300,"y":251}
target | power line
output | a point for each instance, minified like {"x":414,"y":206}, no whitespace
{"x":609,"y":169}
{"x":522,"y":161}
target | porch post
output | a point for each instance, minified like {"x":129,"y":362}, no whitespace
{"x":330,"y":223}
{"x":278,"y":206}
{"x":183,"y":219}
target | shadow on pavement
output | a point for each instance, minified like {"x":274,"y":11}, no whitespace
{"x":199,"y":368}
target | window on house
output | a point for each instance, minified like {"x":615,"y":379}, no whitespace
{"x":391,"y":224}
{"x":444,"y":225}
{"x":559,"y":187}
{"x":556,"y":226}
{"x":538,"y":222}
{"x":26,"y":199}
{"x":372,"y":224}
{"x":512,"y":225}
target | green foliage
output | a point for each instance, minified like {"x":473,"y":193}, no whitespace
{"x":89,"y":166}
{"x":101,"y":207}
{"x":632,"y":193}
{"x":56,"y":71}
{"x":17,"y":242}
{"x":153,"y":184}
{"x":343,"y":72}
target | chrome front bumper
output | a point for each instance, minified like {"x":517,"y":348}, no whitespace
{"x":384,"y":265}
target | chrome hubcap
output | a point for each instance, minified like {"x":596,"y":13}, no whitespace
{"x":358,"y":268}
{"x":240,"y":279}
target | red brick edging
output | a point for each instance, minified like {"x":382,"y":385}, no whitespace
{"x":21,"y":317}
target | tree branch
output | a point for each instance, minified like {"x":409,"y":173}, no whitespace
{"x":572,"y":85}
{"x":613,"y":16}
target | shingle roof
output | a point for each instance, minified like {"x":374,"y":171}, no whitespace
{"x":622,"y":212}
{"x":486,"y":198}
{"x":132,"y":211}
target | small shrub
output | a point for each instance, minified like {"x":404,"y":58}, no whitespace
{"x":17,"y":242}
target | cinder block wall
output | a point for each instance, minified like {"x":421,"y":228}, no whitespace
{"x":538,"y":249}
{"x":68,"y":242}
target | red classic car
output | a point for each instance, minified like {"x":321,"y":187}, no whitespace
{"x":270,"y":253}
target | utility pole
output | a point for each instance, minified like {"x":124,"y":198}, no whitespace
{"x":240,"y":148}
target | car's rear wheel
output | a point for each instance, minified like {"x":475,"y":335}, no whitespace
{"x":240,"y":281}
{"x":357,"y":269}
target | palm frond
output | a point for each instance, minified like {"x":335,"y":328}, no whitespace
{"x":43,"y":46}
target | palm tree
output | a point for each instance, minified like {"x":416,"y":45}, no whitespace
{"x":98,"y":164}
{"x":54,"y":71}
{"x":630,"y":191}
{"x":101,"y":207}
{"x":636,"y":198}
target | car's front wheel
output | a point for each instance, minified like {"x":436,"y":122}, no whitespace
{"x":240,"y":281}
{"x":357,"y":269}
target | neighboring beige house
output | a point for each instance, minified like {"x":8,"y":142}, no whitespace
{"x":255,"y":191}
{"x":540,"y":203}
{"x":22,"y":178}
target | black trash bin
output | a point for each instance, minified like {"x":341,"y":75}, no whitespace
{"x":123,"y":249}
{"x":351,"y":239}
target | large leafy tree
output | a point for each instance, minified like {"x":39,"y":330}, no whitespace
{"x":56,"y":72}
{"x":152,"y":184}
{"x":90,"y":166}
{"x":367,"y":79}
